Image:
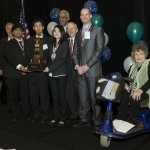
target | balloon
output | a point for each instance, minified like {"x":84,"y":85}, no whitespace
{"x":106,"y":39}
{"x":127,"y":63}
{"x":97,"y":20}
{"x":54,"y":14}
{"x":135,"y":31}
{"x":92,"y":6}
{"x":50,"y":27}
{"x":105,"y":55}
{"x":114,"y":75}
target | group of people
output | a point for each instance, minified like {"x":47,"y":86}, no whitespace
{"x":72,"y":65}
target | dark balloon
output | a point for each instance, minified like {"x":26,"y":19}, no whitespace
{"x":97,"y":20}
{"x":105,"y":55}
{"x":54,"y":15}
{"x":135,"y":31}
{"x":92,"y":6}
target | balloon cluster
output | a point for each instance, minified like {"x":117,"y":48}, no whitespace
{"x":97,"y":20}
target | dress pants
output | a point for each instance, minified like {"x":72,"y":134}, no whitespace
{"x":87,"y":99}
{"x":72,"y":96}
{"x":58,"y":91}
{"x":39,"y":94}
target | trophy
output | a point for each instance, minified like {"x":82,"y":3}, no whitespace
{"x":37,"y":63}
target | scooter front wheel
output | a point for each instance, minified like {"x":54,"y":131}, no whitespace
{"x":104,"y":141}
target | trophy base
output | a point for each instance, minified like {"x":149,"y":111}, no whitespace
{"x":34,"y":67}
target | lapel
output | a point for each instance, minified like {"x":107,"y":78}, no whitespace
{"x":85,"y":40}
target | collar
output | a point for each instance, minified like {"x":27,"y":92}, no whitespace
{"x":87,"y":26}
{"x":40,"y":36}
{"x":18,"y":39}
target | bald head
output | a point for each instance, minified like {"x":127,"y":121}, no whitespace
{"x":64,"y":17}
{"x":72,"y":29}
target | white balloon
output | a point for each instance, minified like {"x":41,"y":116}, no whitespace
{"x":50,"y":27}
{"x":127,"y":63}
{"x":106,"y":38}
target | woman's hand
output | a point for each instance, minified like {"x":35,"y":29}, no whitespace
{"x":137,"y":95}
{"x":127,"y":87}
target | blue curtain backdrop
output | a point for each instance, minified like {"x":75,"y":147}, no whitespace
{"x":117,"y":14}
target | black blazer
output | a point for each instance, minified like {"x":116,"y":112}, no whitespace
{"x":29,"y":49}
{"x":70,"y":66}
{"x":58,"y":66}
{"x":2,"y":59}
{"x":14,"y":56}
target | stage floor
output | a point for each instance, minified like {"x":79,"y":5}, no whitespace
{"x":26,"y":135}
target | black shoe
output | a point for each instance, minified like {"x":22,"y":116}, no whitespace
{"x":61,"y":124}
{"x":96,"y":129}
{"x":35,"y":120}
{"x":81,"y":124}
{"x":52,"y":122}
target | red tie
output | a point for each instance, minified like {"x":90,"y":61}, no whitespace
{"x":70,"y":48}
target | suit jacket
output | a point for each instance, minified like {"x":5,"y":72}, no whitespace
{"x":59,"y":64}
{"x":30,"y":47}
{"x":2,"y":59}
{"x":14,"y":56}
{"x":70,"y":66}
{"x":89,"y":51}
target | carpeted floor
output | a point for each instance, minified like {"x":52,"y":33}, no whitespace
{"x":25,"y":135}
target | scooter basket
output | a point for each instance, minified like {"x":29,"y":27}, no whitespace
{"x":109,"y":89}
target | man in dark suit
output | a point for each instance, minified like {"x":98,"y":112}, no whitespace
{"x":38,"y":81}
{"x":3,"y":92}
{"x":86,"y":57}
{"x":72,"y":82}
{"x":15,"y":70}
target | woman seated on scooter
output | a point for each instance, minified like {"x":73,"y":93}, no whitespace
{"x":139,"y":89}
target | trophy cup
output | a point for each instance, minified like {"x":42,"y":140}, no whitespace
{"x":37,"y":63}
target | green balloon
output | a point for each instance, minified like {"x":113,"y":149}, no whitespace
{"x":135,"y":31}
{"x":97,"y":20}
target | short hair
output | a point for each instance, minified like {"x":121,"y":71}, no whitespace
{"x":86,"y":9}
{"x":141,"y":45}
{"x":9,"y":23}
{"x":16,"y":26}
{"x":62,"y":32}
{"x":73,"y":24}
{"x":37,"y":19}
{"x":65,"y":11}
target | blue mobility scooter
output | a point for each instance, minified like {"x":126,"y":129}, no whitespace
{"x":111,"y":90}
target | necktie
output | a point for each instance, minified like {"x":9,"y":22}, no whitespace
{"x":70,"y":48}
{"x":83,"y":32}
{"x":21,"y":44}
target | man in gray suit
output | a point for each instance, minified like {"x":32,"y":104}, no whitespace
{"x":86,"y":58}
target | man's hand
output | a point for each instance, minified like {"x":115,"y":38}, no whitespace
{"x":1,"y":72}
{"x":46,"y":70}
{"x":85,"y":68}
{"x":79,"y":70}
{"x":23,"y":69}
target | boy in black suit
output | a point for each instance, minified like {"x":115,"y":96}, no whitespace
{"x":38,"y":81}
{"x":15,"y":71}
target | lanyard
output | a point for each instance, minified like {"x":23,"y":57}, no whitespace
{"x":55,"y":48}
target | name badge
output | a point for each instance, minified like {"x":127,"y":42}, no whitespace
{"x":53,"y":56}
{"x":87,"y":35}
{"x":45,"y":47}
